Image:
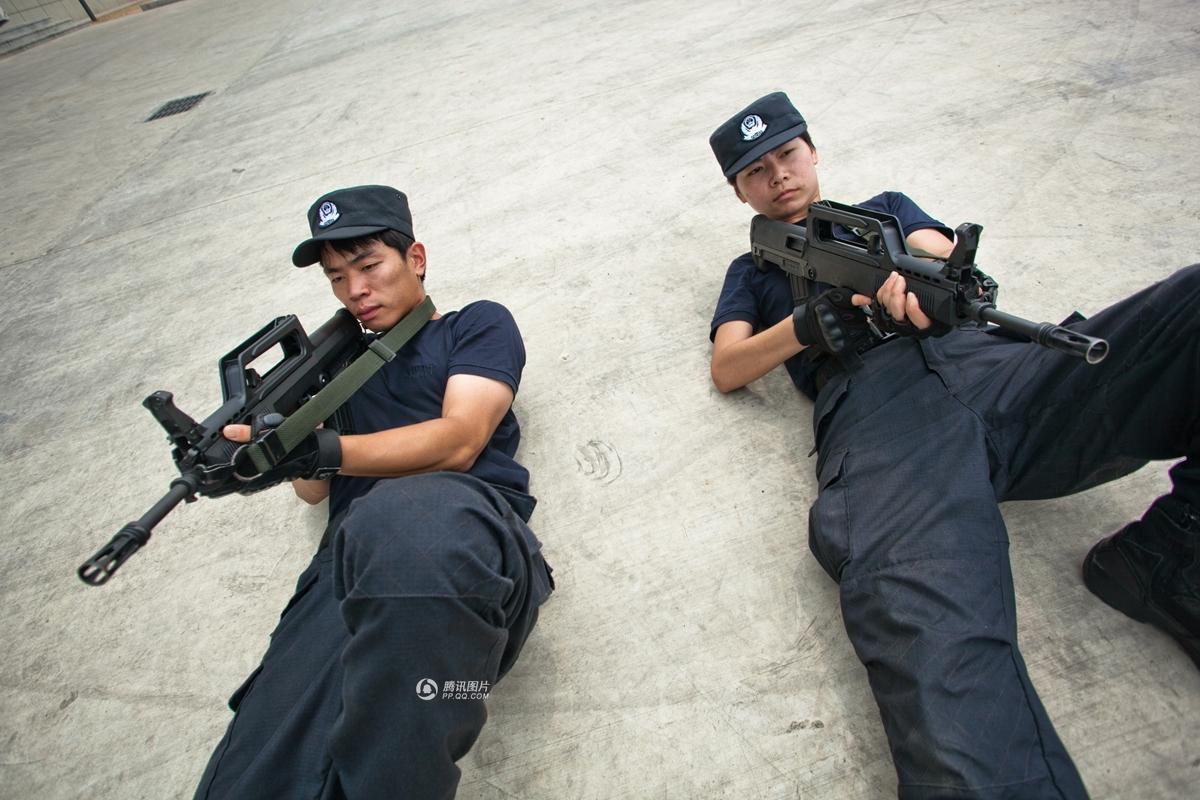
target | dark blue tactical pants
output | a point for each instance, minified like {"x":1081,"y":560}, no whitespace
{"x":916,"y":450}
{"x":429,"y":578}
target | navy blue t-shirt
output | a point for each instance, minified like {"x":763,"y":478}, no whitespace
{"x":481,"y":339}
{"x":765,"y":298}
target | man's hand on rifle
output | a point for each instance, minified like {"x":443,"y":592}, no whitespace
{"x":897,"y":310}
{"x":317,"y":455}
{"x":831,"y":322}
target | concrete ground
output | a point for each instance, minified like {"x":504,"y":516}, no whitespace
{"x":557,"y":160}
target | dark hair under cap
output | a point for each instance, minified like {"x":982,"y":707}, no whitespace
{"x":755,"y":131}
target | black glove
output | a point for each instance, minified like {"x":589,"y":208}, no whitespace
{"x":832,"y":324}
{"x":889,"y":324}
{"x":318,"y":455}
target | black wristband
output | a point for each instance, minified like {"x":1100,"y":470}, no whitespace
{"x":800,"y":325}
{"x":329,"y":453}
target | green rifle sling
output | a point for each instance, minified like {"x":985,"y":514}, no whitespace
{"x":322,"y":405}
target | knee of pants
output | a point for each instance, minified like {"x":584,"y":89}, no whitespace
{"x":1189,"y":279}
{"x":1178,"y":294}
{"x":425,"y":535}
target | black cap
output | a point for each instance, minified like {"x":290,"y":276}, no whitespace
{"x":754,"y":131}
{"x":347,"y":213}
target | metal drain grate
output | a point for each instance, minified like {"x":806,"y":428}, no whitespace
{"x":177,"y":106}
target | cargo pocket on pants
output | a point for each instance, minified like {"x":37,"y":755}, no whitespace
{"x":829,"y":517}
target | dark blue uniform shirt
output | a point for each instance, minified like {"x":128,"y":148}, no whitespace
{"x":765,"y":298}
{"x":481,"y":339}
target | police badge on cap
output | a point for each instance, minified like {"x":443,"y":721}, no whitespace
{"x":753,"y":127}
{"x":754,"y":131}
{"x":327,"y":214}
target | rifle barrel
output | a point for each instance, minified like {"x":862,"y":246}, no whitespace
{"x":1090,"y":348}
{"x":108,"y":559}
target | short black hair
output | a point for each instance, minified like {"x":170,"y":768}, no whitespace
{"x":807,"y":140}
{"x":393,"y":239}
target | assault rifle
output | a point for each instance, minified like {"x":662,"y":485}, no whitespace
{"x":206,"y":459}
{"x":950,"y":291}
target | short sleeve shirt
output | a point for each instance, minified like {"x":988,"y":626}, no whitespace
{"x":481,"y":339}
{"x":764,"y":298}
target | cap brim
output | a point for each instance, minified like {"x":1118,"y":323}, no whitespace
{"x":765,"y":146}
{"x":308,"y":252}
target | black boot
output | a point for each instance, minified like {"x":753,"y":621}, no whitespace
{"x":1150,"y":571}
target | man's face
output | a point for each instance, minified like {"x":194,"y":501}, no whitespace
{"x":783,"y":183}
{"x":376,"y":283}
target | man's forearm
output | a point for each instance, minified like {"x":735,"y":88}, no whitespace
{"x":736,"y":364}
{"x":445,"y":443}
{"x":439,"y":444}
